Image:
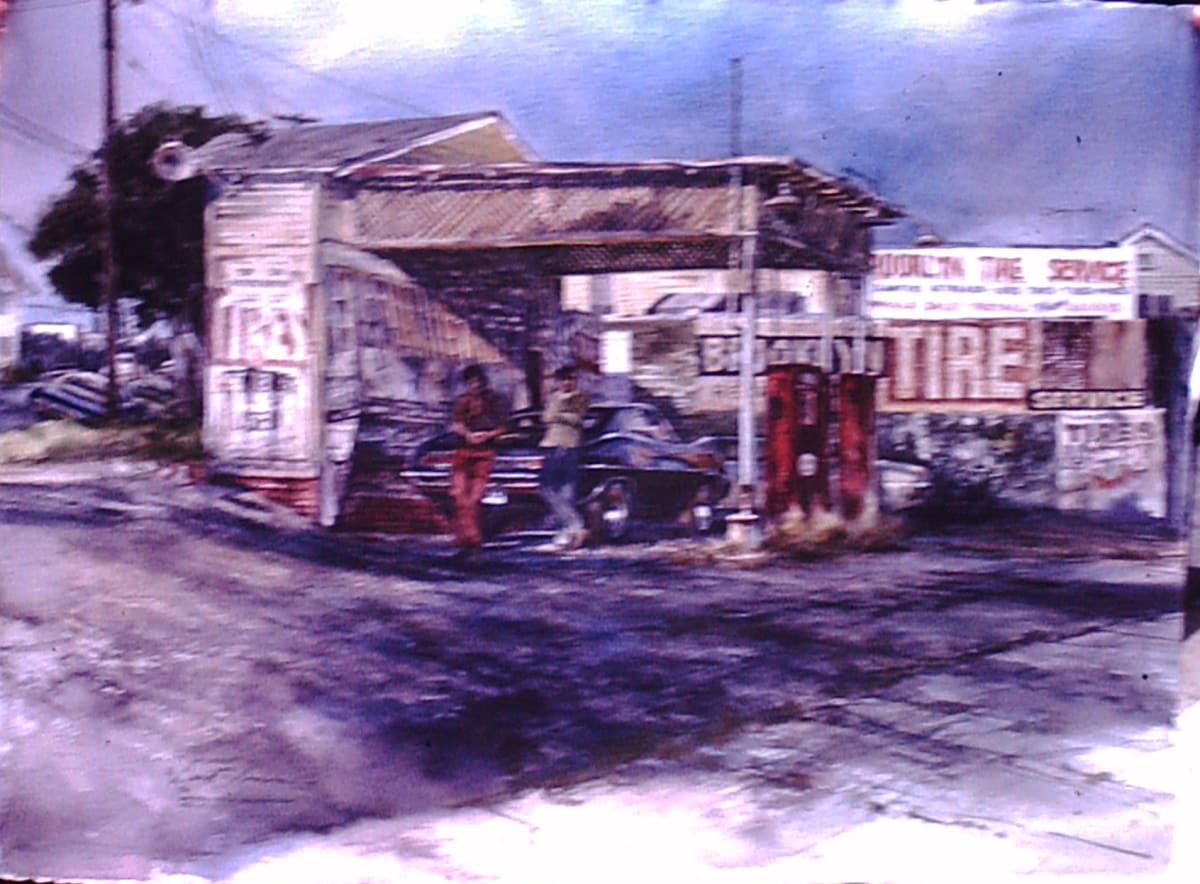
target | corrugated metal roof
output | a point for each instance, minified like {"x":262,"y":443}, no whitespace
{"x":772,"y":172}
{"x":331,"y":148}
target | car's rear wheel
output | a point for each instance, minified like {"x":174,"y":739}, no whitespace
{"x":610,"y":513}
{"x":701,"y":517}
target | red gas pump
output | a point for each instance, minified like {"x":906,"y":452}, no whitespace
{"x":797,"y":429}
{"x":856,"y":441}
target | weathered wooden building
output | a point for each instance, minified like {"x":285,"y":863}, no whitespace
{"x":351,"y":270}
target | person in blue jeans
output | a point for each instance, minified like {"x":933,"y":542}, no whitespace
{"x":563,"y":419}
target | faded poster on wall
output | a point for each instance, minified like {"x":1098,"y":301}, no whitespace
{"x":259,"y":389}
{"x":1108,"y":460}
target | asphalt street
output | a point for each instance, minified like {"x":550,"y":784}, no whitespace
{"x":197,"y":686}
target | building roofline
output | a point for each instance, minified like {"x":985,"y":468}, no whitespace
{"x":456,"y":124}
{"x":797,"y":173}
{"x":1024,"y":247}
{"x":1155,"y":232}
{"x":488,"y":118}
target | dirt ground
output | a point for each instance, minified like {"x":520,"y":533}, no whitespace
{"x":198,"y":685}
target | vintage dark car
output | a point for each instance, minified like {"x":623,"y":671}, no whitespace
{"x":633,"y":466}
{"x":81,"y":395}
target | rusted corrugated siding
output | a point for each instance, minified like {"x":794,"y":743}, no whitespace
{"x":379,"y":500}
{"x":454,"y":215}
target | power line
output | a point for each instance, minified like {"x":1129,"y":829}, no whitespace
{"x":194,"y":56}
{"x":195,"y":45}
{"x":284,"y":60}
{"x":52,"y":4}
{"x":46,"y":137}
{"x":29,"y":138}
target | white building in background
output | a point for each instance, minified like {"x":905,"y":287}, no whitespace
{"x":28,"y":302}
{"x":9,"y":342}
{"x":1168,"y":279}
{"x":16,"y":283}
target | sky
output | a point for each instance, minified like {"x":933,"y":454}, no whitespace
{"x":994,"y":123}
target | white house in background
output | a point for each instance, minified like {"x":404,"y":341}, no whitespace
{"x":9,"y":298}
{"x":1167,"y":272}
{"x":16,"y":283}
{"x":28,"y":302}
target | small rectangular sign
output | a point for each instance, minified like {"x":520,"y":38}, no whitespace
{"x":1085,"y":400}
{"x":1011,"y":283}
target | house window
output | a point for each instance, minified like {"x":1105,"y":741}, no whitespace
{"x":1145,"y":261}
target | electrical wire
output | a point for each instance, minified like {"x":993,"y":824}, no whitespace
{"x":284,"y":60}
{"x":30,"y":138}
{"x":35,"y":6}
{"x":267,"y":100}
{"x":197,"y":49}
{"x":34,"y":131}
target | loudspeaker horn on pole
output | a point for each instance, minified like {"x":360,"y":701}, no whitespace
{"x":174,"y":161}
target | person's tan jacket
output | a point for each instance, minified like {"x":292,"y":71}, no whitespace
{"x":563,"y":417}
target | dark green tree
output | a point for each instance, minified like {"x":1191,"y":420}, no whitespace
{"x":158,"y":226}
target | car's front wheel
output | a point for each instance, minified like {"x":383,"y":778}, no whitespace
{"x":611,"y":511}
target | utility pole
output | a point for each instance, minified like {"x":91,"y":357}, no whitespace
{"x":742,"y":526}
{"x":107,"y":237}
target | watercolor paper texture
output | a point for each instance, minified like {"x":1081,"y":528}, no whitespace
{"x":916,"y":280}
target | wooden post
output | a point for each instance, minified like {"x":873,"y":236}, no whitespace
{"x":107,"y":234}
{"x":1191,"y":587}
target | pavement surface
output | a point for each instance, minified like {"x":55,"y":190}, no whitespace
{"x":196,"y":686}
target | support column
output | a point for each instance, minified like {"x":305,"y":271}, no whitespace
{"x":1191,"y":587}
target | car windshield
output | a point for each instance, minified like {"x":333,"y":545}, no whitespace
{"x":634,"y":420}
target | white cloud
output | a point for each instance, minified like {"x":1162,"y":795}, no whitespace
{"x":327,"y":32}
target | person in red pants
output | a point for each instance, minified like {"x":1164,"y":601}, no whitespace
{"x":479,"y":416}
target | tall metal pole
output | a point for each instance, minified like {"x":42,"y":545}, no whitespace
{"x":107,"y":236}
{"x":735,"y":184}
{"x":746,"y":453}
{"x":741,"y":527}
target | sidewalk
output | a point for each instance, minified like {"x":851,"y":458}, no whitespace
{"x":953,"y":801}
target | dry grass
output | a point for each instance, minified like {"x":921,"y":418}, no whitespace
{"x":64,"y":440}
{"x":707,"y":552}
{"x":821,"y":535}
{"x":824,"y":533}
